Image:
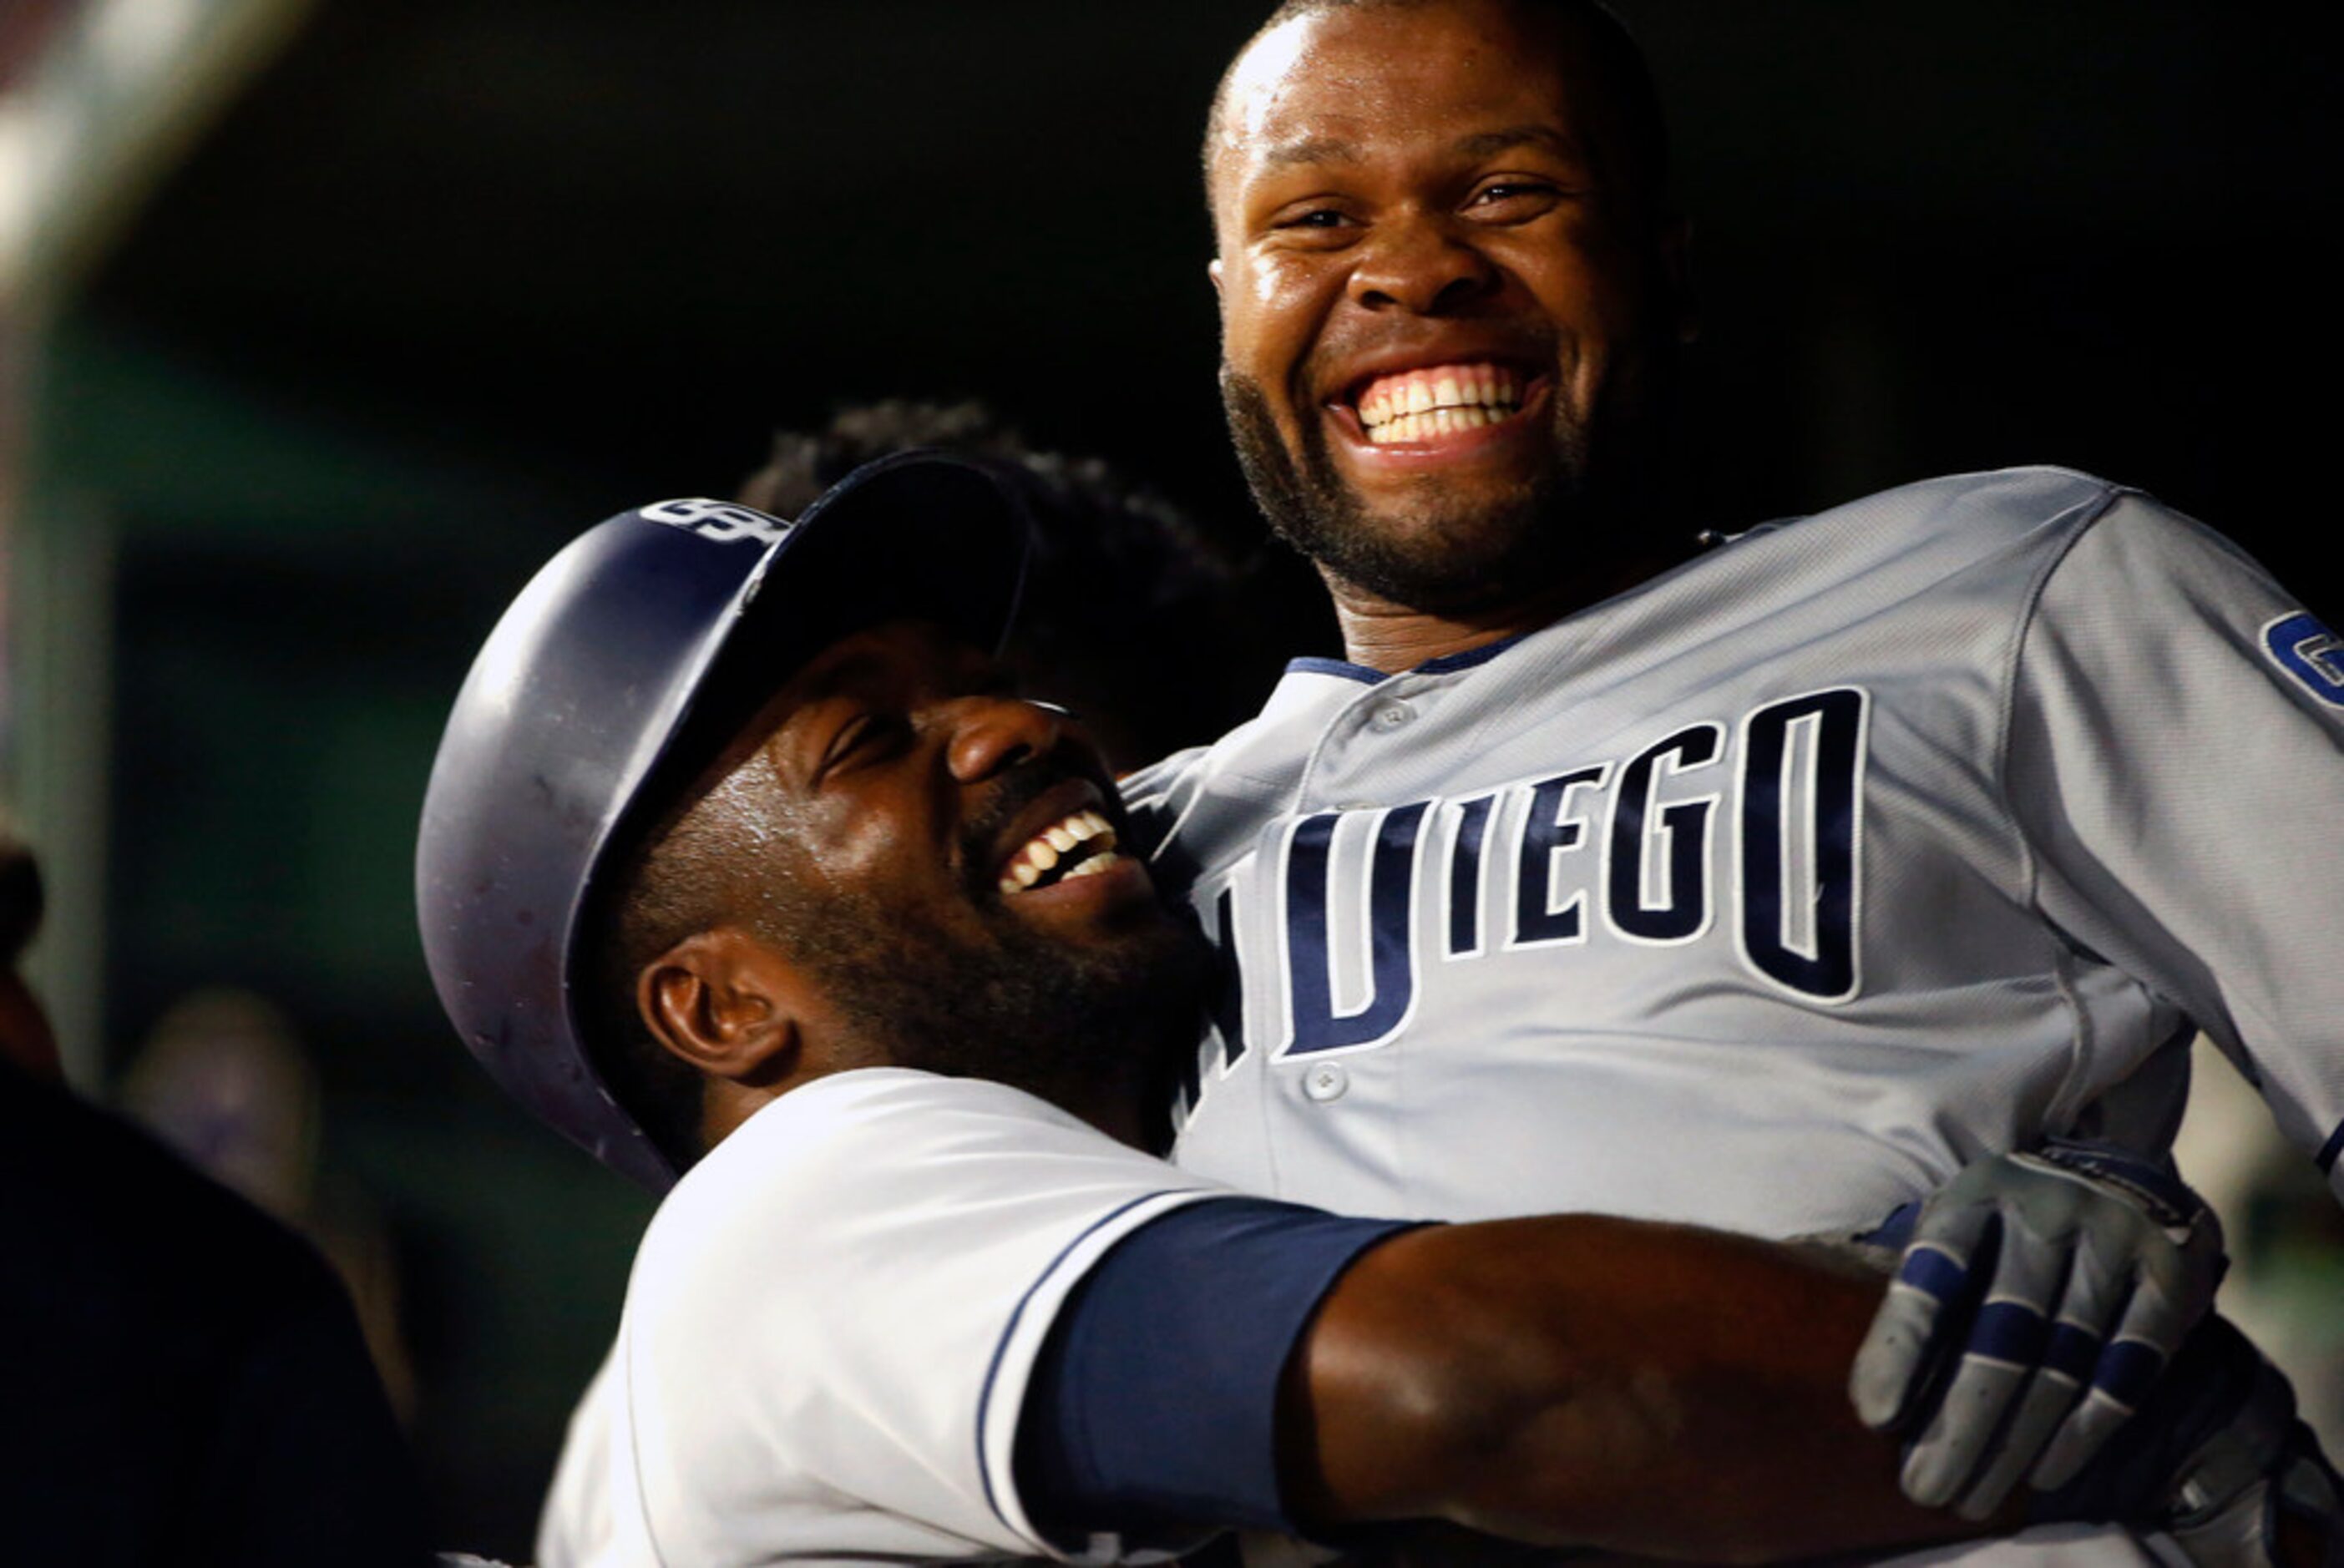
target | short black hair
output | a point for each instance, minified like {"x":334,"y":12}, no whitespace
{"x":629,"y":927}
{"x":1619,"y":61}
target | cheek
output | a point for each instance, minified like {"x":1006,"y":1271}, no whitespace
{"x":1591,"y":286}
{"x":1269,"y":314}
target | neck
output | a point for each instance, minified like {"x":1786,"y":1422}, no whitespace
{"x":1385,"y":636}
{"x":1123,"y":1110}
{"x":1122,"y":1120}
{"x":725,"y":1105}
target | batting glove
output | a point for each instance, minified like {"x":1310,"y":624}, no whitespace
{"x":2217,"y":1460}
{"x":2039,"y":1298}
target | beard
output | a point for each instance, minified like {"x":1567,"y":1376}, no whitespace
{"x":1440,"y":555}
{"x":1077,"y":1023}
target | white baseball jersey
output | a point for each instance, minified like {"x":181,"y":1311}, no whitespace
{"x":1768,"y":893}
{"x":829,"y":1329}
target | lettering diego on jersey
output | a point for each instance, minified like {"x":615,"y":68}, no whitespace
{"x":1630,"y":850}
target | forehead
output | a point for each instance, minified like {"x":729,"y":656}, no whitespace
{"x":893,"y":662}
{"x":903,"y":661}
{"x":1359,"y":76}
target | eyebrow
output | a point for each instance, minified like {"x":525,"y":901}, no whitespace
{"x":1480,"y":145}
{"x":828,"y":681}
{"x":835,"y":681}
{"x":1483,"y":143}
{"x":1317,"y":149}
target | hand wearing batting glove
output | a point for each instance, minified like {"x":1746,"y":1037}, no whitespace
{"x":2038,"y":1299}
{"x":2215,"y":1459}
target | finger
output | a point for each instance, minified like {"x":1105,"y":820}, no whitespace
{"x":2150,"y":1329}
{"x":1893,"y":1364}
{"x":2006,"y":1338}
{"x":2043,"y":1405}
{"x":2093,"y":1292}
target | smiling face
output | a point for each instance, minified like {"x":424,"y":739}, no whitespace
{"x":934,"y":862}
{"x":1446,"y":303}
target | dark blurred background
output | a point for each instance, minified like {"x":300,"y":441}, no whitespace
{"x":323,"y":321}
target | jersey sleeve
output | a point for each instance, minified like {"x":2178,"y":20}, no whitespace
{"x":2176,"y":762}
{"x":1153,"y":1409}
{"x":832,"y":1322}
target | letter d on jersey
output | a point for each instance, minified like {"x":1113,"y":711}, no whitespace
{"x":2305,"y":649}
{"x":1311,"y":933}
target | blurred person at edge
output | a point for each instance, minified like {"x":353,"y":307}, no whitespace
{"x":184,"y":1381}
{"x":223,"y":1081}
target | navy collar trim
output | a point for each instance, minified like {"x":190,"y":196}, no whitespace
{"x":1448,"y":663}
{"x":1311,"y":664}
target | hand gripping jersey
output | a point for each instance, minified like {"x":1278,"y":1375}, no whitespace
{"x":1766,"y":894}
{"x":829,"y":1326}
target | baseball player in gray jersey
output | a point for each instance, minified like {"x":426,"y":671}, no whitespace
{"x":744,"y":864}
{"x":1762,"y":889}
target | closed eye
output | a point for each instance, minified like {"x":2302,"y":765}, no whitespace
{"x":868,"y":736}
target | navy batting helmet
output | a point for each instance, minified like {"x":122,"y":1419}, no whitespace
{"x":567,"y":733}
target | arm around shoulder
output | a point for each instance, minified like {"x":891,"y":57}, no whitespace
{"x":1648,"y":1389}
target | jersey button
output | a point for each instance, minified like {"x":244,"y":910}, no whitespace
{"x":1324,"y":1082}
{"x":1392,"y":715}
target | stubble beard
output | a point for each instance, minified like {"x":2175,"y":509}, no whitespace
{"x":1081,"y":1024}
{"x":1437,"y":554}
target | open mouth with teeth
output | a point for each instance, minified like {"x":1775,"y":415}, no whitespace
{"x":1080,"y":843}
{"x":1437,"y":400}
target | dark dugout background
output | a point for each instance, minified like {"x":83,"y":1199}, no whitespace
{"x":452,"y":280}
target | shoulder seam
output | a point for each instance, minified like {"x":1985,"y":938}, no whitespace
{"x":2087,"y":515}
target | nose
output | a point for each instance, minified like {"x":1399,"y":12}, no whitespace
{"x":1418,"y":264}
{"x":990,"y":735}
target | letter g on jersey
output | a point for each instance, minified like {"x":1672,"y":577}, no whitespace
{"x":2304,"y":648}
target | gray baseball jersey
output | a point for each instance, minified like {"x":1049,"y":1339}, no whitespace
{"x":1768,"y":893}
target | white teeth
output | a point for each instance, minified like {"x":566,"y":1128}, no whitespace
{"x":1421,"y":404}
{"x":1041,"y":852}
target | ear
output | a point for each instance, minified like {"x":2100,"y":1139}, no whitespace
{"x":1213,"y":271}
{"x":726,"y":1004}
{"x":1675,"y":245}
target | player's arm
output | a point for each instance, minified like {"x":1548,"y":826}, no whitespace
{"x":1581,"y":1380}
{"x":1592,"y":1381}
{"x":2173,"y":758}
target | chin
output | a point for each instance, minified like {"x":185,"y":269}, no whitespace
{"x":1443,"y":553}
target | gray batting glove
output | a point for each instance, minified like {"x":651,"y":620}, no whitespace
{"x":2284,"y":1506}
{"x":2217,"y":1460}
{"x":2037,"y":1300}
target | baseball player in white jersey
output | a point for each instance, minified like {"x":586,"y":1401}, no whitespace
{"x":1761,"y":889}
{"x":740,"y":864}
